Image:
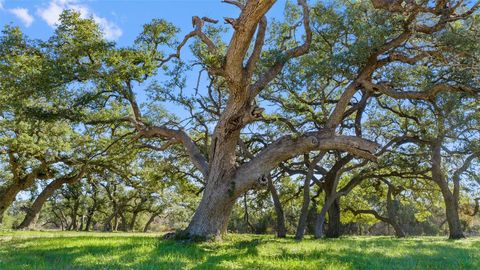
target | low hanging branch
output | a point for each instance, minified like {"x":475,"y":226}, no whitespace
{"x":289,"y":146}
{"x":369,"y":212}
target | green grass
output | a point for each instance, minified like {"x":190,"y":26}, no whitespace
{"x":62,"y":250}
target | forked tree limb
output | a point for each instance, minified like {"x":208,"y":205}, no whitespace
{"x":257,"y":48}
{"x":245,"y":27}
{"x":297,"y":51}
{"x":178,"y":136}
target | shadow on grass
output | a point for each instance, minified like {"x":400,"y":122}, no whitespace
{"x":96,"y":253}
{"x":85,"y":252}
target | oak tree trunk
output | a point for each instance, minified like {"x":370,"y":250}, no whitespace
{"x":221,"y":191}
{"x":90,"y":213}
{"x":8,"y":195}
{"x":398,"y":230}
{"x":334,"y":225}
{"x":450,"y":198}
{"x":107,"y":224}
{"x":281,"y":228}
{"x":74,"y":215}
{"x":149,"y":222}
{"x":88,"y":223}
{"x":34,"y":210}
{"x":131,"y":226}
{"x":320,"y":220}
{"x":302,"y":221}
{"x":211,"y":217}
{"x":453,"y":218}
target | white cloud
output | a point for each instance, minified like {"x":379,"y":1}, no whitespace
{"x":110,"y":29}
{"x":1,"y":4}
{"x":23,"y":15}
{"x":51,"y":14}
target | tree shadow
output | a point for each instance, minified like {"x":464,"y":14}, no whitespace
{"x":102,"y":253}
{"x":137,"y":252}
{"x":416,"y":254}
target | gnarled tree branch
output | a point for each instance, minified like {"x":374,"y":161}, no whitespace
{"x":179,"y":136}
{"x":289,"y":146}
{"x":428,"y":94}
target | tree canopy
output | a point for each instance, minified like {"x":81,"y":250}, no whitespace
{"x":340,"y":115}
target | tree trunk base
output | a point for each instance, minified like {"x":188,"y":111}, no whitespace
{"x":186,"y":236}
{"x":456,"y":236}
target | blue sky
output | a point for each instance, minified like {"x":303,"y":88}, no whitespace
{"x":121,"y":20}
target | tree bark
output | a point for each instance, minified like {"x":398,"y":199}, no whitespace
{"x":34,"y":210}
{"x":302,"y":221}
{"x":88,"y":222}
{"x":320,"y":220}
{"x":124,"y":225}
{"x":450,"y":198}
{"x":331,"y":180}
{"x":392,"y":208}
{"x":90,"y":213}
{"x":107,"y":224}
{"x":131,"y":226}
{"x":281,"y":228}
{"x":211,"y":218}
{"x":82,"y":221}
{"x":399,"y":233}
{"x":334,"y":228}
{"x":91,"y":210}
{"x":7,"y":196}
{"x":150,"y":220}
{"x":9,"y":193}
{"x":453,"y":218}
{"x":74,"y":215}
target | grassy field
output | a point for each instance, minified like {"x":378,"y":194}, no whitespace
{"x":62,"y":250}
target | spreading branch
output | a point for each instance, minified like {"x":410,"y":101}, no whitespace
{"x":178,"y":136}
{"x":290,"y":146}
{"x":428,"y":94}
{"x":300,"y":50}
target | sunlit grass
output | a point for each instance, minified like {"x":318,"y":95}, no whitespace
{"x":75,"y":250}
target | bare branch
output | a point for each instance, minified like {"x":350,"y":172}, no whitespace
{"x":300,"y":50}
{"x":257,"y":49}
{"x":194,"y":153}
{"x":369,"y":212}
{"x":233,"y":2}
{"x":397,"y":57}
{"x":197,"y":23}
{"x":428,"y":94}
